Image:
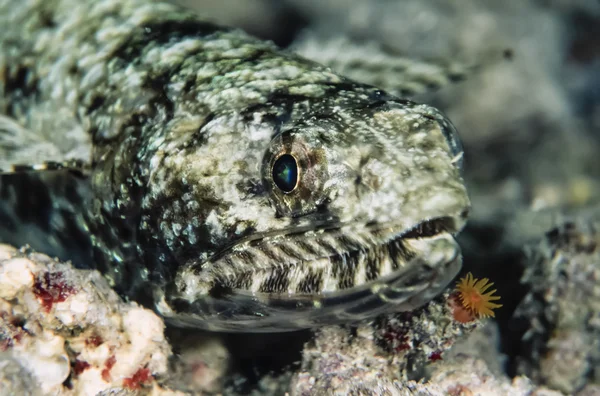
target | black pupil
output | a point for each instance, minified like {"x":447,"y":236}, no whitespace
{"x":285,"y":173}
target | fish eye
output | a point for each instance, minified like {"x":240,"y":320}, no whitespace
{"x":285,"y":173}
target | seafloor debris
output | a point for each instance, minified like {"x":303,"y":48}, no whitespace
{"x":202,"y":362}
{"x":466,"y":375}
{"x":560,"y":346}
{"x":71,"y":333}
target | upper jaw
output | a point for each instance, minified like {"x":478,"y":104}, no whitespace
{"x":296,"y":246}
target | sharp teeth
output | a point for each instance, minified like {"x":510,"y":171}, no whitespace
{"x":385,"y":265}
{"x":360,"y":277}
{"x":330,"y":283}
{"x":257,"y":281}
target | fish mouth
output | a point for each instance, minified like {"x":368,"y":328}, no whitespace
{"x":374,"y":269}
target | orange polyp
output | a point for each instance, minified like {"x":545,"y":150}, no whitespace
{"x":472,"y":295}
{"x":459,"y":312}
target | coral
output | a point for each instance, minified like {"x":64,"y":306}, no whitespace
{"x":15,"y":379}
{"x":459,"y":312}
{"x":136,"y":381}
{"x":80,"y":366}
{"x":71,"y":332}
{"x":51,"y":287}
{"x":473,"y":296}
{"x":108,"y":365}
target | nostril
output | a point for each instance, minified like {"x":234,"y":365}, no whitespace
{"x":373,"y":173}
{"x":451,"y":135}
{"x":370,"y":180}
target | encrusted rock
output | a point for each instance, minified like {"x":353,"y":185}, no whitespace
{"x":71,"y":332}
{"x":561,"y":312}
{"x":342,"y":362}
{"x":379,"y":357}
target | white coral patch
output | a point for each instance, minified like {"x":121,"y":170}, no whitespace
{"x":46,"y":358}
{"x":15,"y":275}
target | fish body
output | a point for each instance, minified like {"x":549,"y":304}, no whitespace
{"x":233,"y":185}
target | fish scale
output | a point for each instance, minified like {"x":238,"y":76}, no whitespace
{"x":174,"y":125}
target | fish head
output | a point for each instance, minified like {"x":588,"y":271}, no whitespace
{"x":317,"y":217}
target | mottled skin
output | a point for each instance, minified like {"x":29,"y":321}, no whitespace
{"x":184,"y":119}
